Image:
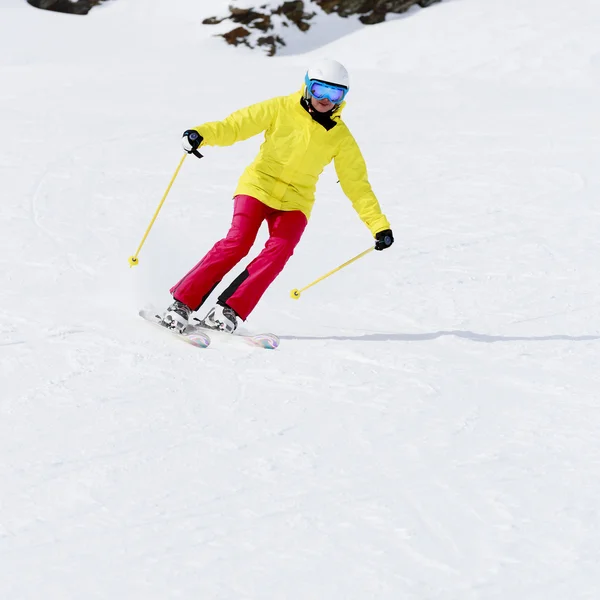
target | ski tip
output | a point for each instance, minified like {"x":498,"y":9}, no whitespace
{"x":200,"y":340}
{"x":268,"y":341}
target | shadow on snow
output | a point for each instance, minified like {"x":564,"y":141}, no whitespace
{"x":419,"y":337}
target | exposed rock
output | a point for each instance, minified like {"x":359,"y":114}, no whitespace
{"x":293,"y":14}
{"x":372,"y":11}
{"x":79,"y":7}
{"x":271,"y":42}
{"x":294,"y":11}
{"x":237,"y":36}
{"x":213,"y":21}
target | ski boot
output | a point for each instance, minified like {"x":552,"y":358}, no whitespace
{"x":221,"y":318}
{"x":177,"y":317}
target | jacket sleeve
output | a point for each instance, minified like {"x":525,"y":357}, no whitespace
{"x":240,"y":125}
{"x":352,"y":172}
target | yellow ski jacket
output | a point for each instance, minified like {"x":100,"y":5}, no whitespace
{"x":293,"y":155}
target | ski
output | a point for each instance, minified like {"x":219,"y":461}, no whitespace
{"x":268,"y":341}
{"x":194,"y":337}
{"x":199,"y":335}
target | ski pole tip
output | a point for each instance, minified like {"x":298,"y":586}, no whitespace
{"x":133,"y":261}
{"x":295,"y":294}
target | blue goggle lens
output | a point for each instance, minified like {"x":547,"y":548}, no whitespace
{"x":321,"y":90}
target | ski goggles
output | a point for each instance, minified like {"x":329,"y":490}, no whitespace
{"x":321,"y":90}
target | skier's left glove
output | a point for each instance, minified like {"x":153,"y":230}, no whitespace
{"x":384,"y":239}
{"x":191,"y":142}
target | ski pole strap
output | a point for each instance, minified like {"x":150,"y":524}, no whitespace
{"x":196,"y":153}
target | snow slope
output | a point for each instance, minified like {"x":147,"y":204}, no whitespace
{"x":428,"y":428}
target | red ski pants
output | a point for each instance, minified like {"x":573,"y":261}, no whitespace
{"x":285,"y":231}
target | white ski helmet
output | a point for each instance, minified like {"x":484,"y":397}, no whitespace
{"x":329,"y":71}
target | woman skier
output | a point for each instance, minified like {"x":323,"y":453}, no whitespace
{"x":304,"y":132}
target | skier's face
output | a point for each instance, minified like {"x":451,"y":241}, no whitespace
{"x":321,"y":105}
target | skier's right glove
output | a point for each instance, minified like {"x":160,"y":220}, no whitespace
{"x":384,"y":239}
{"x":191,"y":142}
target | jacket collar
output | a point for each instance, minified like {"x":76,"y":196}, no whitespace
{"x":327,"y":120}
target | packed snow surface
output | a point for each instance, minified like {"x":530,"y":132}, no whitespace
{"x":428,"y":428}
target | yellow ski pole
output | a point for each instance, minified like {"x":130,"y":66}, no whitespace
{"x":295,"y":294}
{"x":133,"y":260}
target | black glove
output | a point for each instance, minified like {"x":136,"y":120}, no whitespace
{"x":191,"y":142}
{"x":384,"y":239}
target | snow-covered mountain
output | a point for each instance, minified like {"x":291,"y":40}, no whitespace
{"x":427,"y":428}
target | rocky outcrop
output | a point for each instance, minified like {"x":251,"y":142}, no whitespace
{"x":291,"y":13}
{"x":253,"y":24}
{"x":371,"y":11}
{"x":79,"y":7}
{"x":264,"y":26}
